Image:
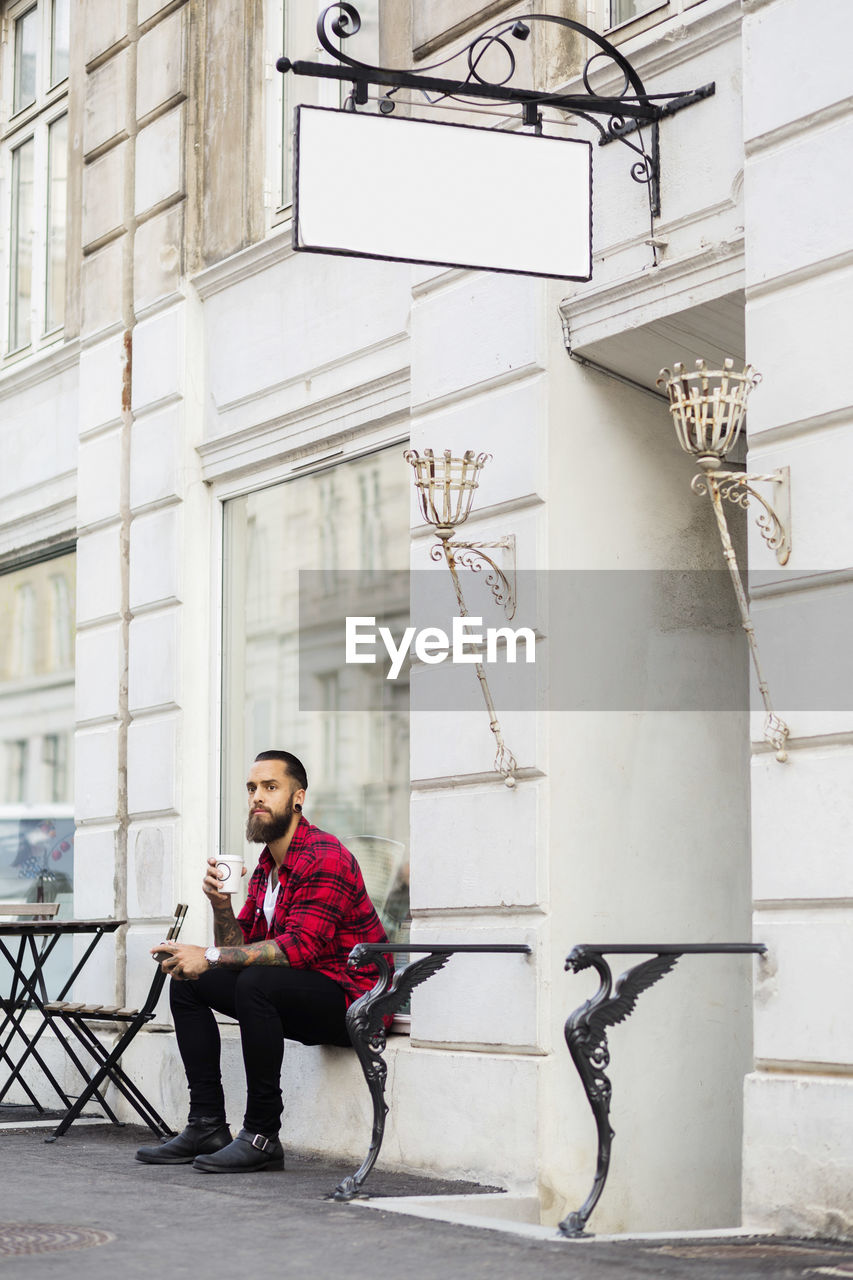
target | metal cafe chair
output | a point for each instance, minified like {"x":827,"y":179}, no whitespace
{"x":78,"y":1017}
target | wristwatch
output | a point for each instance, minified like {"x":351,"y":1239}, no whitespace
{"x":212,"y":955}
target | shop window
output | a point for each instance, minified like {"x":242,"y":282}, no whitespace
{"x":36,"y":741}
{"x":357,"y":759}
{"x":35,"y":160}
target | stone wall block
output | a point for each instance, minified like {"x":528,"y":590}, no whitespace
{"x":791,"y":390}
{"x":497,"y":328}
{"x":154,"y":457}
{"x":99,"y":478}
{"x":511,"y":472}
{"x":104,"y":26}
{"x":803,"y":806}
{"x":476,"y":847}
{"x":161,"y":63}
{"x":103,"y":196}
{"x":151,"y":869}
{"x":152,"y":765}
{"x":808,"y":948}
{"x":773,"y":54}
{"x":100,"y":285}
{"x":158,"y":350}
{"x":478,"y":999}
{"x":101,"y":374}
{"x":98,"y":575}
{"x":798,"y":1155}
{"x":820,"y":464}
{"x":154,"y":558}
{"x":784,"y":178}
{"x":94,"y":874}
{"x":96,"y":774}
{"x":159,"y":161}
{"x":97,"y":673}
{"x":157,"y":255}
{"x":153,"y":678}
{"x":106,"y":107}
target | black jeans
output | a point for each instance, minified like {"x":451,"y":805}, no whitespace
{"x":271,"y":1003}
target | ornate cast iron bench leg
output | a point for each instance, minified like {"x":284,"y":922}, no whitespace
{"x":367,"y":1028}
{"x":367,"y":1033}
{"x":586,"y":1036}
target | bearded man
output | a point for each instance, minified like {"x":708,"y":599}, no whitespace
{"x":279,"y":968}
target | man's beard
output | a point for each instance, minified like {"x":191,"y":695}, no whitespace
{"x":263,"y":828}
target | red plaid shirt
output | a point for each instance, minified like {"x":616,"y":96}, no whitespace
{"x":322,"y":910}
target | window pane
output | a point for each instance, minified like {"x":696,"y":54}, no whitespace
{"x":623,"y":10}
{"x":21,"y":273}
{"x":36,"y":744}
{"x":26,"y":39}
{"x":352,"y":517}
{"x":59,"y":40}
{"x":57,"y":183}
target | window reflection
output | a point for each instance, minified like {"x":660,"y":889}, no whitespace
{"x":352,"y":517}
{"x":36,"y":743}
{"x":26,"y":41}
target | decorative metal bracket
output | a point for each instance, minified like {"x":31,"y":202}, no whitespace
{"x":622,"y":114}
{"x":366,"y":1024}
{"x":586,"y":1035}
{"x":445,"y":487}
{"x":774,"y":519}
{"x":708,"y":408}
{"x":737,"y":488}
{"x":472,"y":555}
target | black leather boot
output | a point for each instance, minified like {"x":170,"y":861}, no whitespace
{"x":248,"y":1153}
{"x":202,"y":1135}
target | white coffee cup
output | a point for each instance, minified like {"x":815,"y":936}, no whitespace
{"x":229,"y":868}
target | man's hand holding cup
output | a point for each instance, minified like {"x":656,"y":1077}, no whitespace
{"x":222,"y":878}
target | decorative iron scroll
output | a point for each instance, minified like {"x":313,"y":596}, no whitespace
{"x":737,"y":488}
{"x":472,"y":555}
{"x":614,"y":117}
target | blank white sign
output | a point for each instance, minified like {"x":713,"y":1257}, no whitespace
{"x":416,"y":191}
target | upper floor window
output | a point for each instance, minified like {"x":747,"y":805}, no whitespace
{"x":35,"y":162}
{"x":619,"y":12}
{"x":291,"y":29}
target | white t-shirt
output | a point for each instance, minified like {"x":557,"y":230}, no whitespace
{"x":270,"y":896}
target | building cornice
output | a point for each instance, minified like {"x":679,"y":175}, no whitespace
{"x":277,"y":247}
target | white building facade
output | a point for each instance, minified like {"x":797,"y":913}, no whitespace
{"x":199,"y":413}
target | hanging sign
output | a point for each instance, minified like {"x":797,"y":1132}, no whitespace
{"x":403,"y":190}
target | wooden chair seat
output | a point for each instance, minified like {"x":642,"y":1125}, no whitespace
{"x":30,"y":909}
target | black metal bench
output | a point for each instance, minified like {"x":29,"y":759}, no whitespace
{"x":366,"y":1026}
{"x":585,"y":1029}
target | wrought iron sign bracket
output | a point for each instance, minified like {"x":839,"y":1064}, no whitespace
{"x":615,"y":117}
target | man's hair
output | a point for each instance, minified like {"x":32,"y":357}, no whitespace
{"x":293,"y":764}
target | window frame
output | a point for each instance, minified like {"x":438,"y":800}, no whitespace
{"x":33,"y":122}
{"x":658,"y":12}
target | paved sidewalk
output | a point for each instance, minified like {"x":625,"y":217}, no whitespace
{"x":147,"y":1221}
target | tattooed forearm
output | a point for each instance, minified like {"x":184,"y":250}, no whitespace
{"x":268,"y":952}
{"x":226,"y":930}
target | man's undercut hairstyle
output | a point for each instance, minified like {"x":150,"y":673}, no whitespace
{"x":292,"y":763}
